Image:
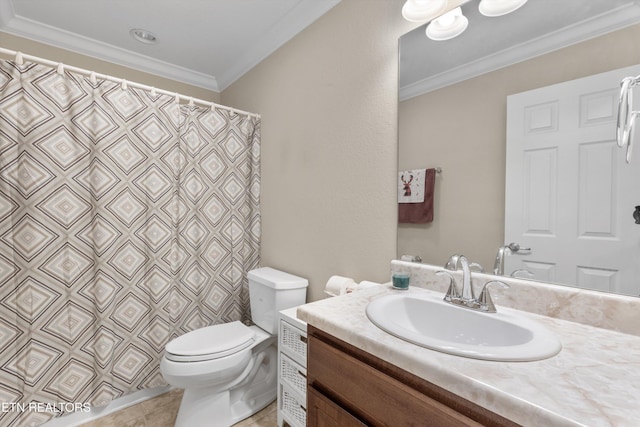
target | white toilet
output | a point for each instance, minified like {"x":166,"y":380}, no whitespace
{"x":229,"y":371}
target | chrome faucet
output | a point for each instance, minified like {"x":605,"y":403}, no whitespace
{"x":466,"y":297}
{"x":467,"y":288}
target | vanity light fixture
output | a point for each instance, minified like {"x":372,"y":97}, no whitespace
{"x":143,"y":36}
{"x":447,"y":26}
{"x":499,"y":7}
{"x":447,"y":20}
{"x":423,"y":10}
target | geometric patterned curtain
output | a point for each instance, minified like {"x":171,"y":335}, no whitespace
{"x":126,"y":219}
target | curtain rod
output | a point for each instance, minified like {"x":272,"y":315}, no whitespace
{"x":20,"y":58}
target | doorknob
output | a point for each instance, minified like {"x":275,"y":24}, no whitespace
{"x":636,"y":214}
{"x":514,"y":247}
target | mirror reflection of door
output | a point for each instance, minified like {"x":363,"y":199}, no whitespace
{"x":570,"y":196}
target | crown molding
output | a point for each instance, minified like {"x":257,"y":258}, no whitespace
{"x":599,"y":25}
{"x":301,"y":16}
{"x":39,"y":32}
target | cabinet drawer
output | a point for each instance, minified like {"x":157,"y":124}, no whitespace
{"x":293,"y":410}
{"x":373,"y":396}
{"x":293,"y":342}
{"x":293,"y":374}
{"x":323,"y":412}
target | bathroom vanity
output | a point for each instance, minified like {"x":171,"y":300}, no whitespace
{"x":347,"y":385}
{"x":360,"y":375}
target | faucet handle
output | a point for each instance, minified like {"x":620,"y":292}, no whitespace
{"x":485,"y":302}
{"x":452,"y":292}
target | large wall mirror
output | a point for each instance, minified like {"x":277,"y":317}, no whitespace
{"x":453,"y":108}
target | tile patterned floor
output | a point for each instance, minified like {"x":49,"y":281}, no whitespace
{"x":161,"y":411}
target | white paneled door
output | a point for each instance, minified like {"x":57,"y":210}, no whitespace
{"x":570,"y":195}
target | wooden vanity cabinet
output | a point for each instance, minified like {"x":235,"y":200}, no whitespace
{"x":349,"y":387}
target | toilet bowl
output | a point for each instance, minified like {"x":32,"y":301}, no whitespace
{"x":229,"y":371}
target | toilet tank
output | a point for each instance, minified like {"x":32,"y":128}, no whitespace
{"x":272,"y":290}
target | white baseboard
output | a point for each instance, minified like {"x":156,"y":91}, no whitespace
{"x":78,"y":418}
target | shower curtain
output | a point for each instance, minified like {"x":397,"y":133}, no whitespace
{"x":126,"y":220}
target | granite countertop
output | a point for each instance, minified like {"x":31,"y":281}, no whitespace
{"x":593,"y":381}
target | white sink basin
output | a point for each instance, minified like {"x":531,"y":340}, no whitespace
{"x":426,"y":320}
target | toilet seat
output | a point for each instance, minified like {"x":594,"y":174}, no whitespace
{"x":211,"y":342}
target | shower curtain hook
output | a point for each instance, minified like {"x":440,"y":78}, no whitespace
{"x":153,"y":92}
{"x":92,"y":78}
{"x":177,"y":98}
{"x":19,"y":58}
{"x":124,"y":84}
{"x":60,"y":69}
{"x":191,"y":103}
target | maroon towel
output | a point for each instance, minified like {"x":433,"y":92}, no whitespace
{"x":420,"y":213}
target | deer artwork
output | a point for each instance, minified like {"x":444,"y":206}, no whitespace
{"x":407,"y":185}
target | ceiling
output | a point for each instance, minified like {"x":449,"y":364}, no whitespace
{"x":205,"y":43}
{"x":538,"y":27}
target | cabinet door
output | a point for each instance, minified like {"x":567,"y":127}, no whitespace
{"x":322,"y":412}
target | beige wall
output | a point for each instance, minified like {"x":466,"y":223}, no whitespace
{"x":462,"y":128}
{"x":44,"y":51}
{"x":328,"y":100}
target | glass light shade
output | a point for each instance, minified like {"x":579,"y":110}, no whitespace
{"x":423,"y":10}
{"x":499,"y":7}
{"x":448,"y":26}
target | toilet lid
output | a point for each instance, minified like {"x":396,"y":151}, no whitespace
{"x":211,"y":341}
